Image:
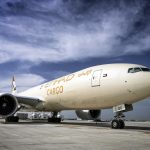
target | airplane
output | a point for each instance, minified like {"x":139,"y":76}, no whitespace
{"x":87,"y":92}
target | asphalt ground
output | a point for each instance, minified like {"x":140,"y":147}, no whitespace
{"x":73,"y":135}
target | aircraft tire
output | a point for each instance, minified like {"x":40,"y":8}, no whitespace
{"x":122,"y":124}
{"x":54,"y":120}
{"x":12,"y":119}
{"x":115,"y":124}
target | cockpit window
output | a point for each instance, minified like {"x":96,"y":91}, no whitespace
{"x":145,"y":69}
{"x":138,"y":69}
{"x":131,"y":70}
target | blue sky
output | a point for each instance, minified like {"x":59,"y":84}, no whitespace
{"x":44,"y":39}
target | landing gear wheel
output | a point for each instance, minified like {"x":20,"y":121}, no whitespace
{"x":115,"y":124}
{"x":12,"y":119}
{"x":54,"y":120}
{"x":122,"y":124}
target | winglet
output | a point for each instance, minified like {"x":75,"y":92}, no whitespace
{"x":14,"y":87}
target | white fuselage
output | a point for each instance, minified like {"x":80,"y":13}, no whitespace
{"x":97,"y":87}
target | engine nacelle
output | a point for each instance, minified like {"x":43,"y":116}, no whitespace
{"x":88,"y":114}
{"x":8,"y":105}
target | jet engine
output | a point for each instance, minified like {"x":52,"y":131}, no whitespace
{"x":8,"y":105}
{"x":88,"y":114}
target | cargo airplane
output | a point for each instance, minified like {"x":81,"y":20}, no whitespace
{"x":87,"y":92}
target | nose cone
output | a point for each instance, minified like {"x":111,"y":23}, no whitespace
{"x":148,"y":82}
{"x":144,"y":86}
{"x":146,"y":79}
{"x":139,"y":84}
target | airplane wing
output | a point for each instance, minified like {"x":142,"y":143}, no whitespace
{"x":31,"y":101}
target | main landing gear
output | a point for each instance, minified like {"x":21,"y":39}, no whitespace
{"x":118,"y":121}
{"x":56,"y":118}
{"x":12,"y":119}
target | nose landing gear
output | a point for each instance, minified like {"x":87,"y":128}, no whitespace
{"x":118,"y":122}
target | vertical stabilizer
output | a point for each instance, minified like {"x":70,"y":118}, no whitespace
{"x":14,"y":87}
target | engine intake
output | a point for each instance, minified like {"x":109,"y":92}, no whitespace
{"x":8,"y":105}
{"x":88,"y":114}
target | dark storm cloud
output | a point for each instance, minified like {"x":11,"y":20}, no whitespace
{"x":62,"y":30}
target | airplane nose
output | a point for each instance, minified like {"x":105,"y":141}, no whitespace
{"x":140,"y":85}
{"x":146,"y":83}
{"x":149,"y":82}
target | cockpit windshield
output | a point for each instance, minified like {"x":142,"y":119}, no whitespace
{"x":145,"y":69}
{"x":138,"y":69}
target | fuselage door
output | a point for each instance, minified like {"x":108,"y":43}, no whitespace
{"x":96,"y":78}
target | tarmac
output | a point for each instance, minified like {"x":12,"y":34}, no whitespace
{"x":73,"y":135}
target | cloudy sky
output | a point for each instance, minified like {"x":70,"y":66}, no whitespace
{"x":44,"y":39}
